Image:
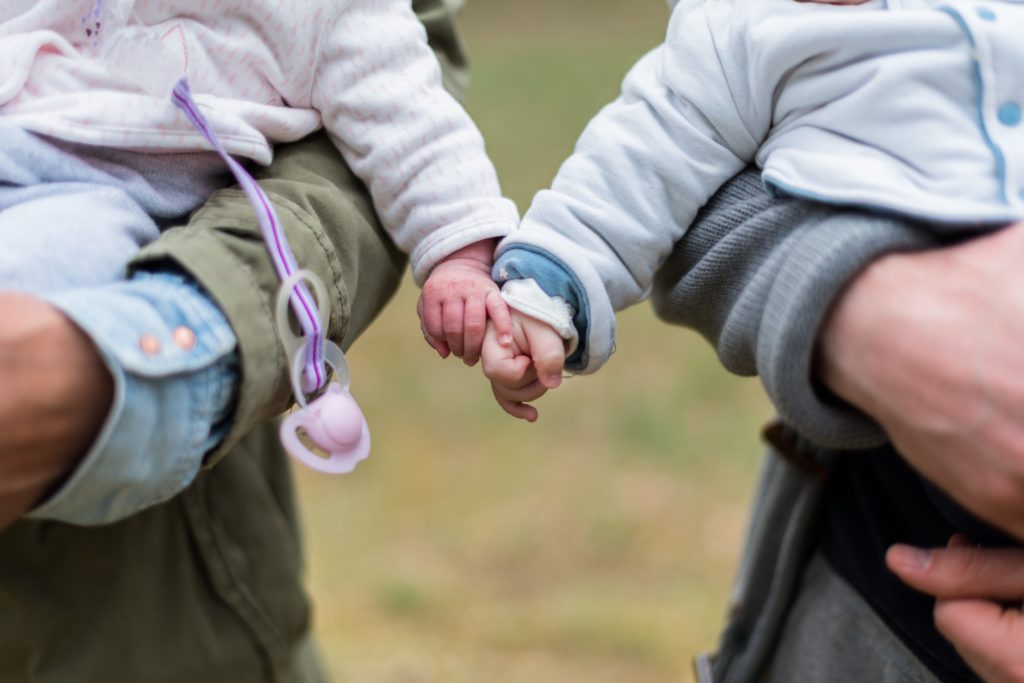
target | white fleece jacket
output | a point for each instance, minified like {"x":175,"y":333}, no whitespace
{"x":911,"y":107}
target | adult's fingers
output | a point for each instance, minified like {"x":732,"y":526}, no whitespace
{"x":961,"y":572}
{"x":989,"y":637}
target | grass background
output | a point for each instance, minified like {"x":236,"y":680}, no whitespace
{"x":595,"y":545}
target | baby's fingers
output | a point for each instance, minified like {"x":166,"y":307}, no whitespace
{"x":452,"y":322}
{"x":518,"y":409}
{"x":474,"y":326}
{"x":430,"y":325}
{"x":511,"y":371}
{"x":500,"y":315}
{"x":502,"y":364}
{"x":528,"y":392}
{"x":547,"y":350}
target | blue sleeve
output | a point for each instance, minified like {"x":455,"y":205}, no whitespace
{"x":173,"y":358}
{"x":519,"y":262}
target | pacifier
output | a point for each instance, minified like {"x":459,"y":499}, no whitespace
{"x":332,"y":422}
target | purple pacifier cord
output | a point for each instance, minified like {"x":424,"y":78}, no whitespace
{"x":284,"y":261}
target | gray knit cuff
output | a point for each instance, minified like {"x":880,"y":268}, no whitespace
{"x":810,"y":279}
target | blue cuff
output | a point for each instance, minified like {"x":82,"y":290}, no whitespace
{"x":172,"y":355}
{"x":519,"y":262}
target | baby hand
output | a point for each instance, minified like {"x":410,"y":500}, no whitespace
{"x":456,"y":301}
{"x":526,"y":369}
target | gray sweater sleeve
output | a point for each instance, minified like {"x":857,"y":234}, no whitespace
{"x":756,"y":276}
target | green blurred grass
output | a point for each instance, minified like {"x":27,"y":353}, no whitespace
{"x":595,"y":545}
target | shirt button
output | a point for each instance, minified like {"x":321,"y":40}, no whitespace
{"x":1009,"y":114}
{"x":184,"y":338}
{"x":149,"y":344}
{"x":986,"y":14}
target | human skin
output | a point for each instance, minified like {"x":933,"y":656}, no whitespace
{"x":527,"y":368}
{"x":978,"y":607}
{"x":928,"y":344}
{"x":458,"y":299}
{"x":925,"y":343}
{"x":55,"y":393}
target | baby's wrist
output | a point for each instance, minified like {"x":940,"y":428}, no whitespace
{"x":526,"y":296}
{"x":481,"y":252}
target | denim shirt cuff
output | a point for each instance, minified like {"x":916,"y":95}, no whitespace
{"x":172,"y":356}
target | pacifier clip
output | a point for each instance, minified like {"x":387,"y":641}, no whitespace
{"x":333,"y":421}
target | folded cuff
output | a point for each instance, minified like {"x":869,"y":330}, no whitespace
{"x":171,"y":355}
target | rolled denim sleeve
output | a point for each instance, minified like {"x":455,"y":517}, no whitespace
{"x":173,"y":358}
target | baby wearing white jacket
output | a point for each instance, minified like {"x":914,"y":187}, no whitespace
{"x":911,"y":107}
{"x":263,"y":72}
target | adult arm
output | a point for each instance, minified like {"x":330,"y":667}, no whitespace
{"x":112,"y":410}
{"x":858,"y":341}
{"x":757,"y":276}
{"x":53,"y":399}
{"x":333,"y":230}
{"x":929,"y":344}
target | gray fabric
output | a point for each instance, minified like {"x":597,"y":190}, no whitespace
{"x":756,"y":275}
{"x":307,"y":665}
{"x":780,"y":537}
{"x":829,"y":612}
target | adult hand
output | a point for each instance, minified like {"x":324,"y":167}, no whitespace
{"x":55,"y":393}
{"x":930,"y":345}
{"x":972,"y":585}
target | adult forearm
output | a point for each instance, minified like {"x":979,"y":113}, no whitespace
{"x":757,"y":275}
{"x":862,"y":329}
{"x":55,"y":392}
{"x":929,"y":345}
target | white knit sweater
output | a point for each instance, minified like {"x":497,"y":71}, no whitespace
{"x":264,"y":71}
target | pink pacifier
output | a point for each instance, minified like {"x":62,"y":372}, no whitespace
{"x":333,"y":421}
